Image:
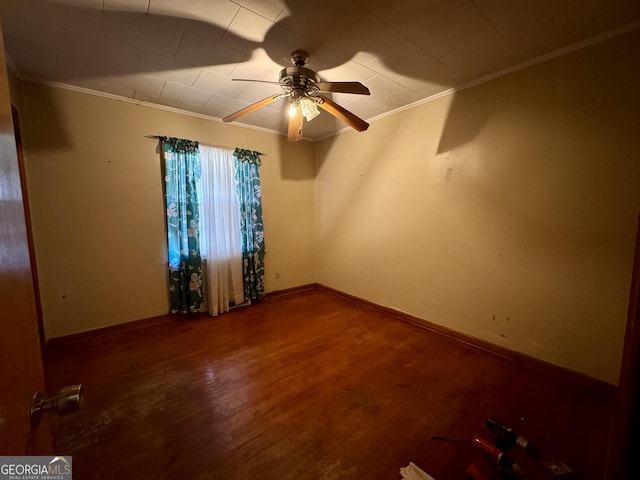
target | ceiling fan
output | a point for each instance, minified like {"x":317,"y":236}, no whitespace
{"x":303,"y":88}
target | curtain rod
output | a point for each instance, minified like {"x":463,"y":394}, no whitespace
{"x":158,"y":137}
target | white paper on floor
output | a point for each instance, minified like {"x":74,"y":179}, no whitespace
{"x":413,"y":472}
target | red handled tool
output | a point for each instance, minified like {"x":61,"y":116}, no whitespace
{"x":504,"y":461}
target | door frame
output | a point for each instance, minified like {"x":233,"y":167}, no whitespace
{"x":624,"y":445}
{"x":27,"y":216}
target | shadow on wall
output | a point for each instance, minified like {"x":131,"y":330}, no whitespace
{"x":467,"y":115}
{"x":49,"y":135}
{"x":597,"y":78}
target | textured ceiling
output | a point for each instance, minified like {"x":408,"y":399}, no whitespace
{"x":183,"y":54}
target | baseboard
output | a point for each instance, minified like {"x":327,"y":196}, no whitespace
{"x":75,"y":338}
{"x":566,"y":374}
{"x":289,"y":291}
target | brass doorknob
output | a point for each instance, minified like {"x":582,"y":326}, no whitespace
{"x":66,"y":400}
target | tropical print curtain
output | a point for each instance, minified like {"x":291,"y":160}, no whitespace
{"x":182,"y":171}
{"x":251,"y":226}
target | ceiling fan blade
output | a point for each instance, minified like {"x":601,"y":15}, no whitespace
{"x":342,"y":87}
{"x":295,"y":124}
{"x":253,"y":80}
{"x":251,"y":108}
{"x":342,"y":113}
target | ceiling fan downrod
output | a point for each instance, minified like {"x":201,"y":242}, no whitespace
{"x":299,"y":58}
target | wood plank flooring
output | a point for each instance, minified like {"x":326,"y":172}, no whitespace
{"x":308,"y":386}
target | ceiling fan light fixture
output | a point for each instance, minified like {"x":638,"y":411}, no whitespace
{"x":293,"y":106}
{"x":309,"y":109}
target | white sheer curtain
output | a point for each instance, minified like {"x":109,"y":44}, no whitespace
{"x":220,"y":230}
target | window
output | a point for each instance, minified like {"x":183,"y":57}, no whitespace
{"x":214,"y":211}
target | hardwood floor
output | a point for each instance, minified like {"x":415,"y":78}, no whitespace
{"x":309,"y":386}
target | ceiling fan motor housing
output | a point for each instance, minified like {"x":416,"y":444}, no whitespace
{"x":298,"y":78}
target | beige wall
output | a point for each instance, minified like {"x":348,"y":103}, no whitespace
{"x":96,"y":198}
{"x":507,"y":211}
